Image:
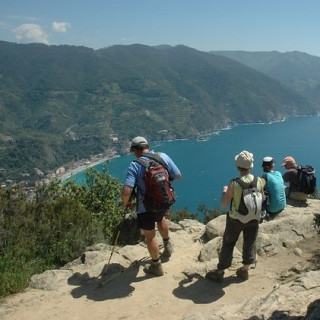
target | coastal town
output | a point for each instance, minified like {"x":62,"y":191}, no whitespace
{"x":75,"y":167}
{"x":66,"y":170}
{"x":63,"y":173}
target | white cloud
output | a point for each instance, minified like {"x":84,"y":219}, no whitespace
{"x":29,"y":19}
{"x":31,"y":32}
{"x":60,"y":26}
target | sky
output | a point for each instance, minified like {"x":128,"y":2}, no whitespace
{"x":205,"y":25}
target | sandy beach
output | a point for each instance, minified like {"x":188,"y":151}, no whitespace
{"x":82,"y":165}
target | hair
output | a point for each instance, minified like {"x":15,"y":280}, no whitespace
{"x":243,"y":170}
{"x":268,"y":168}
{"x":146,"y":146}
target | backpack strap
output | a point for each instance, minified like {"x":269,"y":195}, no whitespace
{"x":142,"y":162}
{"x":152,"y":156}
{"x":155,"y":157}
{"x":244,"y":185}
{"x":299,"y":169}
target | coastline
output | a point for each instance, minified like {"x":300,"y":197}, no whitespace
{"x":85,"y":164}
{"x":82,"y":165}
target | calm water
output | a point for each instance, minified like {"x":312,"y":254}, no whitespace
{"x":208,"y":165}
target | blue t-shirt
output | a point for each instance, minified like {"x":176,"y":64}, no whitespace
{"x":275,"y":187}
{"x":135,"y":174}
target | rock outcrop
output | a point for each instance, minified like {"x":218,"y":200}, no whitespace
{"x":285,"y":283}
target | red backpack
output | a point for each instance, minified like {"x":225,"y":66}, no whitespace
{"x":159,"y":196}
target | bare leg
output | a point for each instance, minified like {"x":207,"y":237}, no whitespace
{"x":167,"y":242}
{"x":163,"y":228}
{"x":152,"y":243}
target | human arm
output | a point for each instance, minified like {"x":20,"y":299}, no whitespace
{"x":173,"y":170}
{"x":129,"y":184}
{"x":265,"y":177}
{"x":291,"y":176}
{"x":227,"y":194}
{"x":285,"y":177}
{"x":178,"y":176}
{"x":125,"y":195}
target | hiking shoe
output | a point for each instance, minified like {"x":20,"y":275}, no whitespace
{"x":242,"y":274}
{"x":215,"y":275}
{"x":154,"y":268}
{"x":168,"y":248}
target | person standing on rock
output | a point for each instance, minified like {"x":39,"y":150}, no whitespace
{"x":147,"y":220}
{"x":236,"y":222}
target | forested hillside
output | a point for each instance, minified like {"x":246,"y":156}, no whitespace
{"x":64,"y":103}
{"x":299,"y":71}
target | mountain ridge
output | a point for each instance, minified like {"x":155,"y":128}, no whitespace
{"x":65,"y":103}
{"x":297,"y":70}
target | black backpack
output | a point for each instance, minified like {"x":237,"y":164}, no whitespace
{"x":306,"y":179}
{"x":159,"y":196}
{"x":127,"y":231}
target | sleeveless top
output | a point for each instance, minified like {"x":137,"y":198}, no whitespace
{"x":237,"y":191}
{"x":275,"y":187}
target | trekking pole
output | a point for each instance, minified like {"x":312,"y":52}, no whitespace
{"x":113,"y":247}
{"x":116,"y":239}
{"x":118,"y":232}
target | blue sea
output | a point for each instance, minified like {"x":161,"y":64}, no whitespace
{"x":207,"y":165}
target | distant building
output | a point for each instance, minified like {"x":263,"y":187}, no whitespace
{"x":113,"y":137}
{"x":61,"y":171}
{"x":38,"y":172}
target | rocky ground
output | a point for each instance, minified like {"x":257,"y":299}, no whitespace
{"x":285,"y":280}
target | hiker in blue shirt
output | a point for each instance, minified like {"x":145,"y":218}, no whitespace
{"x":274,"y":188}
{"x":147,"y":220}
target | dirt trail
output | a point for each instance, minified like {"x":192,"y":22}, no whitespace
{"x":133,"y":295}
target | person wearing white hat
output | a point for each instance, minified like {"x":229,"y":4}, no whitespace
{"x":232,"y":194}
{"x":274,"y":188}
{"x":145,"y":220}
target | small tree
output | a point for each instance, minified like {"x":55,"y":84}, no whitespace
{"x":100,"y":195}
{"x":182,"y":214}
{"x":54,"y":226}
{"x":209,"y":214}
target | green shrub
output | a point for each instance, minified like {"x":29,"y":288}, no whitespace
{"x":54,"y":226}
{"x":203,"y":214}
{"x":15,"y":273}
{"x":101,"y":195}
{"x":181,"y":214}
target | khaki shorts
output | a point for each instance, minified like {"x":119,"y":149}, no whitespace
{"x":295,"y":195}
